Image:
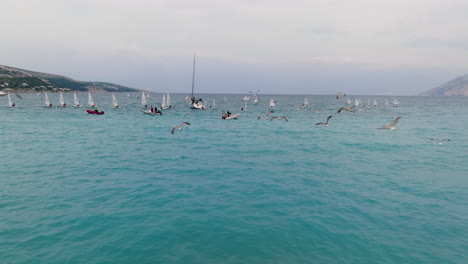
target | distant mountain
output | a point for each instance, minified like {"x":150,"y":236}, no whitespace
{"x":24,"y":80}
{"x":457,"y":86}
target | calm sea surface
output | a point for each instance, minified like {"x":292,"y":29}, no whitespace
{"x":119,"y":188}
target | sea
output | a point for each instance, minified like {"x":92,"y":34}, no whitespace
{"x":120,"y":188}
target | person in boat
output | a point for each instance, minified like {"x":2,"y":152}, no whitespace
{"x":13,"y":104}
{"x":152,"y":109}
{"x":96,"y":110}
{"x":228,"y":113}
{"x":50,"y":105}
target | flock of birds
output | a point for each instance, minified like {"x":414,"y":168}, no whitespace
{"x":353,"y":108}
{"x":267,"y":116}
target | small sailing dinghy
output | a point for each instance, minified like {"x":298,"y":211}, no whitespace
{"x":90,"y":101}
{"x":143,"y":100}
{"x":114,"y":101}
{"x":46,"y":101}
{"x":61,"y":101}
{"x":272,"y":103}
{"x":306,"y":103}
{"x":213,"y":106}
{"x":396,"y":103}
{"x":163,"y":103}
{"x":10,"y":102}
{"x":76,"y":103}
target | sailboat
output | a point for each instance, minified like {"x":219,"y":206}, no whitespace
{"x":375,"y":103}
{"x":356,"y":102}
{"x":114,"y":101}
{"x":213,"y":106}
{"x":396,"y":103}
{"x":272,"y":103}
{"x":46,"y":101}
{"x":90,"y":101}
{"x":168,"y":101}
{"x":348,"y":101}
{"x":75,"y":101}
{"x":143,"y":100}
{"x":306,"y":103}
{"x":195,"y":103}
{"x":386,"y":102}
{"x":163,"y":103}
{"x":10,"y":102}
{"x":61,"y":100}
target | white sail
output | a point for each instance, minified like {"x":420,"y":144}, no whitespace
{"x":356,"y":102}
{"x":348,"y":101}
{"x":114,"y":101}
{"x":214,"y":103}
{"x":75,"y":100}
{"x":395,"y":103}
{"x":90,"y":101}
{"x":163,"y":103}
{"x":61,"y":100}
{"x":224,"y":100}
{"x":255,"y":100}
{"x":386,"y":102}
{"x":143,"y":100}
{"x":375,"y":103}
{"x":46,"y":100}
{"x":306,"y":102}
{"x":168,"y":100}
{"x":272,"y":103}
{"x":10,"y":102}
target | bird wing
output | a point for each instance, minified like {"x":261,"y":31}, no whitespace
{"x":285,"y":119}
{"x":328,"y":118}
{"x":185,"y":123}
{"x":339,"y":110}
{"x":391,"y":124}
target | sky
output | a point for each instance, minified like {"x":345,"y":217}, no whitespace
{"x":371,"y":47}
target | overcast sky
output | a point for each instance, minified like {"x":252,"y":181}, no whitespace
{"x":302,"y":47}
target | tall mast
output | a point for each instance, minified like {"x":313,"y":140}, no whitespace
{"x":193,"y":74}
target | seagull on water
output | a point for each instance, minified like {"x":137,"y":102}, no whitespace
{"x":439,"y":141}
{"x":279,"y":117}
{"x":179,"y":127}
{"x":326,"y":122}
{"x":391,"y":125}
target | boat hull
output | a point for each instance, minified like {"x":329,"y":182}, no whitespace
{"x":149,"y":112}
{"x":91,"y":112}
{"x":234,"y":116}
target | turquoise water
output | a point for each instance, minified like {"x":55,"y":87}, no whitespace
{"x":119,"y":188}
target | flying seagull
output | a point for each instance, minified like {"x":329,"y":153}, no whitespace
{"x":392,"y":124}
{"x":440,"y":140}
{"x":340,"y":93}
{"x":350,"y":109}
{"x":279,"y":117}
{"x":265,"y":116}
{"x":6,"y":90}
{"x":179,"y":127}
{"x":326,"y":122}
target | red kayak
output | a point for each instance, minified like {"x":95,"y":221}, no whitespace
{"x":92,"y":112}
